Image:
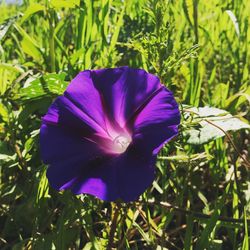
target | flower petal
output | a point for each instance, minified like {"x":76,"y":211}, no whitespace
{"x":65,"y":113}
{"x":135,"y":175}
{"x":100,"y":181}
{"x":66,"y":153}
{"x":123,"y":90}
{"x":157,"y":122}
{"x":84,"y":134}
{"x":124,"y":177}
{"x":84,"y":95}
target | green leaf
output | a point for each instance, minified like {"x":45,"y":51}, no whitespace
{"x":65,"y":3}
{"x":129,"y":218}
{"x":220,"y":94}
{"x":144,"y":235}
{"x":7,"y":158}
{"x":32,"y":9}
{"x":211,"y":224}
{"x":29,"y":45}
{"x":30,"y":49}
{"x":43,"y":187}
{"x":8,"y":74}
{"x":189,"y":10}
{"x":188,"y":234}
{"x":50,"y":85}
{"x":235,"y":21}
{"x":220,"y":120}
{"x":239,"y":98}
{"x":117,"y":29}
{"x":4,"y":27}
{"x":246,"y":237}
{"x":4,"y":113}
{"x":11,"y":68}
{"x":157,"y":187}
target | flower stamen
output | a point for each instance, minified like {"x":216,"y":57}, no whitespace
{"x":121,"y":143}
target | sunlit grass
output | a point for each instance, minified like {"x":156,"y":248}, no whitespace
{"x":200,"y":51}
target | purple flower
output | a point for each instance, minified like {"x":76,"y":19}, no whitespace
{"x":102,"y":136}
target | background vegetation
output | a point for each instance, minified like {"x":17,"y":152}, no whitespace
{"x":200,"y":49}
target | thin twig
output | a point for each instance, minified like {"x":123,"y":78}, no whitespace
{"x":245,"y":161}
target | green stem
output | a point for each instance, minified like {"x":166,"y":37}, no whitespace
{"x":113,"y":226}
{"x":79,"y":41}
{"x":52,"y":42}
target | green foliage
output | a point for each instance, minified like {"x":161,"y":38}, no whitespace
{"x":210,"y":123}
{"x":200,"y":50}
{"x":46,"y":85}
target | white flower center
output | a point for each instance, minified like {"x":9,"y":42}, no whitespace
{"x":121,"y":143}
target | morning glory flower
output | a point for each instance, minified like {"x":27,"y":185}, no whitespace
{"x":103,"y":135}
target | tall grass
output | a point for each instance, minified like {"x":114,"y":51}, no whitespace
{"x":199,"y":49}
